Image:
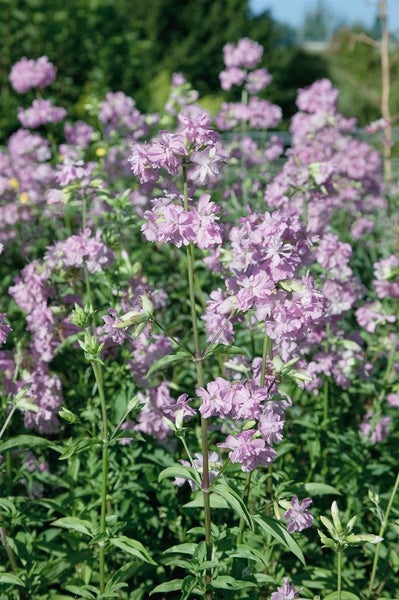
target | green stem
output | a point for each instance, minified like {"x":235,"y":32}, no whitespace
{"x":325,"y":402}
{"x":104,"y":476}
{"x":245,"y":498}
{"x":381,"y":532}
{"x":8,"y":419}
{"x":9,"y":552}
{"x":267,"y":352}
{"x":339,"y":575}
{"x":200,"y":380}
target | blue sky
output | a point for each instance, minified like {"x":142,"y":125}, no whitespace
{"x":364,"y":11}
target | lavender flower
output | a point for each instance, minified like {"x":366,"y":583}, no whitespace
{"x":285,"y":592}
{"x":40,"y":113}
{"x":4,"y":329}
{"x":298,"y":517}
{"x":45,"y":390}
{"x":245,"y":54}
{"x":79,"y":134}
{"x":214,"y":463}
{"x":375,"y":429}
{"x":118,"y":113}
{"x":29,"y":73}
{"x":248,"y":451}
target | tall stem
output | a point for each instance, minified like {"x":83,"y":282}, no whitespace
{"x":381,"y":533}
{"x":200,"y":381}
{"x":339,"y":575}
{"x":266,"y":353}
{"x":104,"y":476}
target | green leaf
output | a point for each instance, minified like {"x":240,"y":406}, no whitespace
{"x":198,"y":502}
{"x":75,"y":524}
{"x":320,"y":489}
{"x":132,"y":547}
{"x":78,"y":446}
{"x":187,"y":548}
{"x":249,"y":553}
{"x":278,"y":531}
{"x":225,"y":582}
{"x":234,"y":501}
{"x":188,"y":585}
{"x":174,"y":585}
{"x":342,"y":596}
{"x":68,"y":416}
{"x":168,"y":360}
{"x":180,"y":471}
{"x":27,"y":441}
{"x":11,"y":579}
{"x":79,"y":591}
{"x":216,"y":349}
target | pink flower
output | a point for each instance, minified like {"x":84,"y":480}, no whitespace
{"x":245,"y":54}
{"x":116,"y":334}
{"x":375,"y":429}
{"x":285,"y":592}
{"x":214,"y":467}
{"x":207,"y":229}
{"x":257,"y":80}
{"x":231,"y":76}
{"x":4,"y":329}
{"x":196,"y":127}
{"x":169,"y":222}
{"x":371,"y":314}
{"x":393,"y":400}
{"x":216,"y":399}
{"x":141,"y":165}
{"x":79,"y":134}
{"x":271,"y":425}
{"x":318,"y":97}
{"x":208,"y":164}
{"x":167,"y":151}
{"x":40,"y":113}
{"x":248,"y":451}
{"x":298,"y":517}
{"x":29,"y":73}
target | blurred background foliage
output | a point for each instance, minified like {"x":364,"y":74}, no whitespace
{"x":135,"y":46}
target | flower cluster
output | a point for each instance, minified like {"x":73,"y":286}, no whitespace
{"x":40,"y":113}
{"x":240,"y":58}
{"x":245,"y":401}
{"x":29,"y":73}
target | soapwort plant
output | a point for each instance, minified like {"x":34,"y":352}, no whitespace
{"x":200,"y":350}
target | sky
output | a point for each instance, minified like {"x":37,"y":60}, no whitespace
{"x":292,"y":12}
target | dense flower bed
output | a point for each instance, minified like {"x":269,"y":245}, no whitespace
{"x":199,"y":349}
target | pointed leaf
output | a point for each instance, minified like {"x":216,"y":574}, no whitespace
{"x":27,"y":441}
{"x":278,"y":531}
{"x":180,"y":471}
{"x":320,"y":489}
{"x":80,"y":591}
{"x":225,"y":582}
{"x":11,"y":579}
{"x":75,"y":524}
{"x":132,"y":547}
{"x":233,"y":500}
{"x":341,"y":596}
{"x":169,"y":359}
{"x":216,"y":349}
{"x":187,"y":548}
{"x":78,"y":446}
{"x":174,"y":585}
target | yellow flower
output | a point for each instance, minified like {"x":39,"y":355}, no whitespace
{"x":24,"y":198}
{"x":101,"y":152}
{"x":13,"y":183}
